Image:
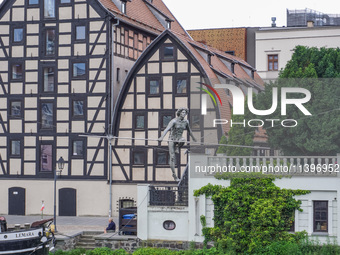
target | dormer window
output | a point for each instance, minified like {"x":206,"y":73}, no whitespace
{"x":124,"y":7}
{"x":209,"y":59}
{"x":233,"y":67}
{"x":168,"y":24}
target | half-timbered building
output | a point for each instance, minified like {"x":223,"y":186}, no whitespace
{"x":170,"y":74}
{"x":62,"y":63}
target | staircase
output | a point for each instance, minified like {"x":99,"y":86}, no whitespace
{"x":87,"y":240}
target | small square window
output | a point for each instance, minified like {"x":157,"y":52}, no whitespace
{"x":17,"y":71}
{"x":181,"y":87}
{"x":154,"y":87}
{"x":33,"y":2}
{"x":18,"y":35}
{"x":78,"y":148}
{"x":15,"y":147}
{"x":168,"y":52}
{"x":162,"y":158}
{"x":79,"y":70}
{"x":48,"y":79}
{"x":140,"y":122}
{"x":78,"y":108}
{"x":165,"y":120}
{"x":138,"y":158}
{"x":195,"y":121}
{"x":16,"y":109}
{"x":65,"y":1}
{"x":80,"y":32}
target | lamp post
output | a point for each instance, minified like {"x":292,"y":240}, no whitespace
{"x":60,"y":163}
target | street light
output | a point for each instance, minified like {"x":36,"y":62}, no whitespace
{"x":60,"y":163}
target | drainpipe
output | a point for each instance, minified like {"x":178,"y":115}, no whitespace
{"x":111,"y":120}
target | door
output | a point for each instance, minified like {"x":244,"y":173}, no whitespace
{"x":67,"y":202}
{"x":16,"y":201}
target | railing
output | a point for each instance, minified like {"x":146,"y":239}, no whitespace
{"x":168,"y":196}
{"x":283,"y":165}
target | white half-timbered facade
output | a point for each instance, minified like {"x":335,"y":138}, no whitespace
{"x":170,"y":75}
{"x":62,"y":63}
{"x":68,"y":82}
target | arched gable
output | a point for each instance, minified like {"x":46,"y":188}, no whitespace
{"x":164,"y":78}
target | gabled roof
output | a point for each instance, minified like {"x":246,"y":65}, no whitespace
{"x":209,"y":70}
{"x":217,"y":66}
{"x":139,"y":14}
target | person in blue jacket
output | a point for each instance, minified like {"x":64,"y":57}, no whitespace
{"x":111,"y":227}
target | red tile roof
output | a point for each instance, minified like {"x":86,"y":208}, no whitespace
{"x":217,"y":66}
{"x":138,"y":14}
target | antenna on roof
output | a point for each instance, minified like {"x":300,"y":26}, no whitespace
{"x":273,"y":21}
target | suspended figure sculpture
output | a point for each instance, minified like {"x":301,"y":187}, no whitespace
{"x":176,"y":127}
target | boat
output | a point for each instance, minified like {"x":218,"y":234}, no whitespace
{"x":33,"y":239}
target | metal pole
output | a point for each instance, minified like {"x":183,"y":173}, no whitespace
{"x":55,"y":205}
{"x":110,"y":176}
{"x":112,"y":112}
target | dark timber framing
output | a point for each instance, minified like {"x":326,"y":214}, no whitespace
{"x":93,"y":86}
{"x":132,"y":89}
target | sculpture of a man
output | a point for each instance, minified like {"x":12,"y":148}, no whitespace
{"x":176,"y":127}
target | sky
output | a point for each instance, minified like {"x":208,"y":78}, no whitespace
{"x":199,"y":14}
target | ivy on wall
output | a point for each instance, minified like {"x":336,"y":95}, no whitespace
{"x":251,"y":213}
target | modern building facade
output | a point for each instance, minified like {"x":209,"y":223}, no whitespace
{"x":274,"y":46}
{"x":320,"y":209}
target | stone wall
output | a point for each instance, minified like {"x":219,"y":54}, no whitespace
{"x":66,"y":243}
{"x":128,"y":243}
{"x":131,"y":243}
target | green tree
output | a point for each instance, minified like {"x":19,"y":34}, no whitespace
{"x":317,"y":70}
{"x":222,"y":149}
{"x":251,"y":213}
{"x":238,"y":135}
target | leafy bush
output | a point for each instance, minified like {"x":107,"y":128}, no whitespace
{"x":154,"y":251}
{"x":161,"y":251}
{"x":251,"y":213}
{"x":106,"y":251}
{"x":71,"y":252}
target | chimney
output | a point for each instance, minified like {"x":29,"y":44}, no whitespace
{"x":273,"y":21}
{"x":310,"y":23}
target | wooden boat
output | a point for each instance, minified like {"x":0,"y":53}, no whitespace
{"x":35,"y":239}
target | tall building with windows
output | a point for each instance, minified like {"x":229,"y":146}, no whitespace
{"x":171,"y":74}
{"x":62,"y":63}
{"x":275,"y":45}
